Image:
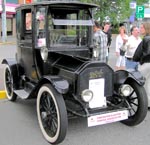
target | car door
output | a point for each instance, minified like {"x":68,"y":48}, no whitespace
{"x":25,"y":55}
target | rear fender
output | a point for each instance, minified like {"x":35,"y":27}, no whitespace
{"x":122,"y":76}
{"x":14,"y":68}
{"x":61,"y":85}
{"x":10,"y":62}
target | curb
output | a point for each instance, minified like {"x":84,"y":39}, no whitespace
{"x":6,"y":43}
{"x":3,"y":95}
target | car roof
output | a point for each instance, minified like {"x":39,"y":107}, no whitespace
{"x":57,"y":3}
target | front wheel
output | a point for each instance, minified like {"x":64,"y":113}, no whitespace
{"x":137,"y":104}
{"x":52,"y":114}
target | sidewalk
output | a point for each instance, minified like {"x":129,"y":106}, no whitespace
{"x":9,"y":40}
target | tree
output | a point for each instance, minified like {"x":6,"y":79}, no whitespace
{"x":117,"y":10}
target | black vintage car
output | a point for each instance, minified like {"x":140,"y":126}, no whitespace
{"x":54,"y":64}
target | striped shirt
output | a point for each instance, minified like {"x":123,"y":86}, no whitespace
{"x":101,"y":40}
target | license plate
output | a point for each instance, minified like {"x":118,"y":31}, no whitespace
{"x":97,"y":87}
{"x":107,"y":118}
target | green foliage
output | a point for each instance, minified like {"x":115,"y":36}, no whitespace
{"x":140,"y":2}
{"x":117,"y":10}
{"x":115,"y":30}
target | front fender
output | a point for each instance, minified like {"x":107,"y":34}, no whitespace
{"x":61,"y":85}
{"x":121,"y":76}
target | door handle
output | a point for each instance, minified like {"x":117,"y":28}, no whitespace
{"x":21,"y":45}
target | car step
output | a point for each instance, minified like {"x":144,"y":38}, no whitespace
{"x":22,"y":93}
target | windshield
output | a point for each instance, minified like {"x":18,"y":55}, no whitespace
{"x":69,"y":27}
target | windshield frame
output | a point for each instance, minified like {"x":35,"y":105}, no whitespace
{"x":78,"y":23}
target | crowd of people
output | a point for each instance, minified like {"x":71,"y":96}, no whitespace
{"x":132,"y":51}
{"x":126,"y":47}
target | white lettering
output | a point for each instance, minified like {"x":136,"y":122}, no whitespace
{"x":140,"y":9}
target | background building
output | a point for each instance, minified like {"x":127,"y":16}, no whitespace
{"x":10,"y":15}
{"x":147,"y":14}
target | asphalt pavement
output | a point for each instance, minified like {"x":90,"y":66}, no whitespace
{"x":19,"y":126}
{"x":7,"y":50}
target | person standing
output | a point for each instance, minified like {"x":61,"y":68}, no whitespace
{"x":100,"y":39}
{"x":133,"y":41}
{"x":107,"y":31}
{"x":121,"y":40}
{"x":142,"y":55}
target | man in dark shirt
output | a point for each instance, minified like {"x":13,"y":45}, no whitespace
{"x":107,"y":30}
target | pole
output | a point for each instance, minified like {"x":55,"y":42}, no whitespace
{"x":4,"y":26}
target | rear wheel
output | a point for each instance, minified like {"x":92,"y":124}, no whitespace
{"x":8,"y":84}
{"x":52,"y":114}
{"x":137,"y":104}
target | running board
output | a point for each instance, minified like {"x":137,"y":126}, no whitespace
{"x":22,"y":93}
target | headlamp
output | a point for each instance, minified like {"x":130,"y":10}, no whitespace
{"x":44,"y":53}
{"x":87,"y":95}
{"x":125,"y":90}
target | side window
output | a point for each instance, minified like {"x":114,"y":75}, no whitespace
{"x":26,"y":24}
{"x":28,"y":20}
